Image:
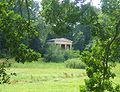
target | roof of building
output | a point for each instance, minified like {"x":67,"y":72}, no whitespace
{"x":60,"y":39}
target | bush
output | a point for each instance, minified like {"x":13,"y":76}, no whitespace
{"x":26,"y":54}
{"x":54,"y":53}
{"x":75,"y":63}
{"x":69,"y":54}
{"x":4,"y":77}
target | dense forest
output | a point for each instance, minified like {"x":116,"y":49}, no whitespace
{"x":26,"y":25}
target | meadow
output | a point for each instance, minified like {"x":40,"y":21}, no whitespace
{"x":46,"y":77}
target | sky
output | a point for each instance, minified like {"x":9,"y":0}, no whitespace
{"x":96,"y":3}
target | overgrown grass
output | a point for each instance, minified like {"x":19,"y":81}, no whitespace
{"x":43,"y":77}
{"x":37,"y":64}
{"x":46,"y":77}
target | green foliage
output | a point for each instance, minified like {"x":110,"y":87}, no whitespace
{"x":4,"y":77}
{"x":26,"y":54}
{"x":69,"y":54}
{"x":83,"y":89}
{"x":98,"y":71}
{"x":39,"y":43}
{"x":70,"y":20}
{"x":88,"y":15}
{"x":15,"y":30}
{"x":61,"y":15}
{"x":54,"y":53}
{"x":104,"y":49}
{"x":75,"y":63}
{"x":20,"y":7}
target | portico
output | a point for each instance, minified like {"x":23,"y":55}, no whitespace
{"x":62,"y":42}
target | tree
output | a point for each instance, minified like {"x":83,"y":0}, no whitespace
{"x":14,"y":32}
{"x":43,"y":29}
{"x":14,"y":29}
{"x":105,"y":49}
{"x":60,"y":15}
{"x":22,"y":7}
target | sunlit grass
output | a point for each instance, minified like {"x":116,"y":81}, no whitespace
{"x":43,"y":77}
{"x":47,"y":77}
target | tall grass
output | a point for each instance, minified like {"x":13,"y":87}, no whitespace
{"x":47,"y":77}
{"x":36,"y":64}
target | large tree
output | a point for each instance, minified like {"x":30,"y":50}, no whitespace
{"x":15,"y":30}
{"x":27,"y":7}
{"x":105,"y":49}
{"x":61,"y":15}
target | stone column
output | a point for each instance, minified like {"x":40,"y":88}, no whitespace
{"x":60,"y":45}
{"x":70,"y":46}
{"x":65,"y":46}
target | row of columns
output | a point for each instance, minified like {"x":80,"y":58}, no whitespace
{"x":66,"y":46}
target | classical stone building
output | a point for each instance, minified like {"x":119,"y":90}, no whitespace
{"x":62,"y":42}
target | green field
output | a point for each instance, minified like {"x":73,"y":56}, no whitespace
{"x":46,"y":77}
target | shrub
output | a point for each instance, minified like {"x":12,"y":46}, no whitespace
{"x":54,"y":53}
{"x":4,"y":77}
{"x":69,"y":54}
{"x":26,"y":54}
{"x":75,"y":63}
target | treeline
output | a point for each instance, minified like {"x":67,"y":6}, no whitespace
{"x":26,"y":25}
